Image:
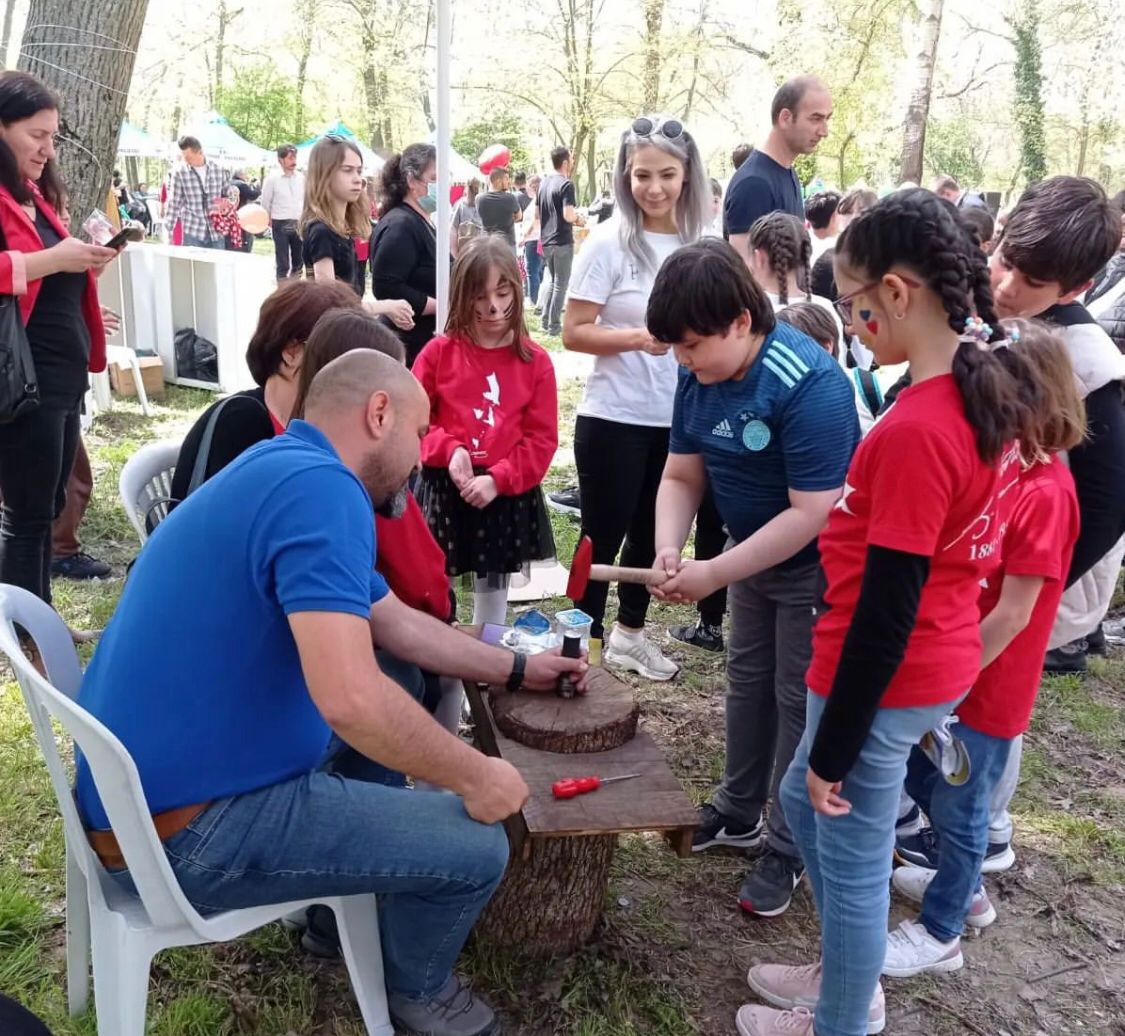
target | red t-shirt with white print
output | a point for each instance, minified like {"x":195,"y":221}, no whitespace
{"x":917,"y":484}
{"x":1038,"y":541}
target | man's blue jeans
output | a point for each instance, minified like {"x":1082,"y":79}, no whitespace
{"x":216,"y":242}
{"x":327,"y":834}
{"x":533,"y":261}
{"x":959,"y":816}
{"x":849,"y":858}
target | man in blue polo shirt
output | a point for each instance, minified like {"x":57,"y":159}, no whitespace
{"x":243,"y":642}
{"x":766,"y":182}
{"x":766,"y":416}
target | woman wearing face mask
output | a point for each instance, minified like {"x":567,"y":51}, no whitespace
{"x":621,"y":435}
{"x":404,"y":245}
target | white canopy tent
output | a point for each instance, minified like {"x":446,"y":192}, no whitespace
{"x":134,"y":142}
{"x":372,"y":163}
{"x":221,"y":143}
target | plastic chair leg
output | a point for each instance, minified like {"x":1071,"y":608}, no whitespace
{"x":357,"y":920}
{"x":77,"y":939}
{"x":121,"y":967}
{"x":142,"y":396}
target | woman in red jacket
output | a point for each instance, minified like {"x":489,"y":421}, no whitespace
{"x":52,"y":274}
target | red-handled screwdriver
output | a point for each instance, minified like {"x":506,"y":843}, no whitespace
{"x":569,"y":787}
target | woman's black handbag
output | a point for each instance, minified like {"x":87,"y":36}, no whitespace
{"x":19,"y":388}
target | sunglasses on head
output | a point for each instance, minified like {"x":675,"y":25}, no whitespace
{"x":669,"y":129}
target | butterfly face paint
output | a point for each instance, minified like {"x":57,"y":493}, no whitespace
{"x":871,"y":325}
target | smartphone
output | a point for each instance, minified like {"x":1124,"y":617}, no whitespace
{"x":124,"y":236}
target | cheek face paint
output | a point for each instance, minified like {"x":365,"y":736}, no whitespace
{"x":871,"y":325}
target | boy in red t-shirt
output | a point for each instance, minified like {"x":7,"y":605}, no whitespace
{"x":1017,"y":606}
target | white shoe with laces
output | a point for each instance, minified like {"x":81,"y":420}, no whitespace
{"x":911,"y":950}
{"x":633,"y":651}
{"x":912,"y":882}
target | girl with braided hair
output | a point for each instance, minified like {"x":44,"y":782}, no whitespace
{"x":780,"y":257}
{"x":897,"y":641}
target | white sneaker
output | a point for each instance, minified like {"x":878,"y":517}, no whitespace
{"x":633,"y":651}
{"x":912,"y":882}
{"x":911,"y":950}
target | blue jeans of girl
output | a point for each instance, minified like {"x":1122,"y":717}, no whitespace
{"x":959,"y":816}
{"x":849,"y":858}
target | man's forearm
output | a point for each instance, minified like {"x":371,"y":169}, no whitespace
{"x":776,"y":541}
{"x":416,"y":637}
{"x":676,"y":505}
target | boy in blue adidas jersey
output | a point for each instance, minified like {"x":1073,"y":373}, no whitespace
{"x":769,"y":418}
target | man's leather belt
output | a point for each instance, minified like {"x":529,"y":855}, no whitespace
{"x":171,"y":822}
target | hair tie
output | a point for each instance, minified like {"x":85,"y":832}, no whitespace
{"x":976,"y":330}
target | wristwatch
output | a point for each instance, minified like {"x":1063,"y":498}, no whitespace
{"x":519,"y":664}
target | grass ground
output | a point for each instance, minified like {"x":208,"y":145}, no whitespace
{"x":671,"y":956}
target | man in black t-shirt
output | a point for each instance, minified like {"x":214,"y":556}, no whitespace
{"x":766,"y":182}
{"x":525,"y":199}
{"x":558,"y":212}
{"x":500,"y":208}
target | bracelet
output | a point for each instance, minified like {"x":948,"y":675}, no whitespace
{"x":519,"y":664}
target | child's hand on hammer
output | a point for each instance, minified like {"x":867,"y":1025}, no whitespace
{"x":668,"y":563}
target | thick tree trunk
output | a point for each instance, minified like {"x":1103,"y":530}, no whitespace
{"x":551,"y":901}
{"x":90,"y":68}
{"x":918,"y":111}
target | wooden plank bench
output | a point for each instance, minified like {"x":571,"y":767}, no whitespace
{"x":553,"y":895}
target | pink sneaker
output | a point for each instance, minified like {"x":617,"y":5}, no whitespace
{"x":791,"y":988}
{"x":754,"y":1020}
{"x":912,"y":882}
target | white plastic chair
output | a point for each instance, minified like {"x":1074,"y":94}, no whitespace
{"x":123,"y":931}
{"x":145,"y":484}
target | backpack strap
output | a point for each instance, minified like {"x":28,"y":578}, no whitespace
{"x":203,"y":454}
{"x":868,"y":386}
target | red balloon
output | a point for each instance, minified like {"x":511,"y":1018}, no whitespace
{"x":497,"y":156}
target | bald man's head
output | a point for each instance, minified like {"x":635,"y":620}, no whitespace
{"x":374,"y":413}
{"x":800,"y":112}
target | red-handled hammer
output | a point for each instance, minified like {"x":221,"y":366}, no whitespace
{"x":582,"y":571}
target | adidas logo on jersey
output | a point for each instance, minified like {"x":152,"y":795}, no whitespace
{"x":723,"y":430}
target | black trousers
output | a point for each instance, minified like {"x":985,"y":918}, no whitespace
{"x":619,"y":470}
{"x":710,"y":539}
{"x":36,"y":455}
{"x":288,"y":249}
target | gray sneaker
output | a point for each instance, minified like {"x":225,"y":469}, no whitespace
{"x":452,"y":1011}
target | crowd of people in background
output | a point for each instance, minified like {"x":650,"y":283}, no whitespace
{"x":895,"y":424}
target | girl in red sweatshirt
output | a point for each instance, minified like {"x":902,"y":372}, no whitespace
{"x":493,"y":429}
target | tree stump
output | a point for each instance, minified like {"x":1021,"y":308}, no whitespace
{"x":552,"y":897}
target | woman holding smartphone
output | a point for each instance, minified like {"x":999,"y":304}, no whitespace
{"x":52,"y":276}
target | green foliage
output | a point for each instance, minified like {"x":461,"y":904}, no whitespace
{"x":953,"y":147}
{"x":261,"y":105}
{"x":1028,"y":104}
{"x":504,"y":128}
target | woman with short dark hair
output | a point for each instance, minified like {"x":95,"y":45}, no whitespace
{"x":404,"y":245}
{"x":52,"y":276}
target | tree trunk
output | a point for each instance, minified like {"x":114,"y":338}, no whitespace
{"x":307,"y":14}
{"x":654,"y":18}
{"x":93,"y":100}
{"x":9,"y":11}
{"x":551,"y":901}
{"x":918,"y":111}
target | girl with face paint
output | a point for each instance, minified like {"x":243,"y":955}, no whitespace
{"x":493,"y":429}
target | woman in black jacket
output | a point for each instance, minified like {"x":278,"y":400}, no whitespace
{"x":404,"y":244}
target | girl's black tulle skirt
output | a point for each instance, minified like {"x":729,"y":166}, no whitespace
{"x":502,"y":537}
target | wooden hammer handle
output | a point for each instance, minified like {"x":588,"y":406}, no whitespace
{"x":619,"y":574}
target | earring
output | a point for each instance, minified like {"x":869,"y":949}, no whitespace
{"x":899,"y":316}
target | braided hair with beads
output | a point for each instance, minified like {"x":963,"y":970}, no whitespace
{"x":920,"y":231}
{"x":788,"y":249}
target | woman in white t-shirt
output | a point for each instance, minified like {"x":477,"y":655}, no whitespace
{"x":621,"y":434}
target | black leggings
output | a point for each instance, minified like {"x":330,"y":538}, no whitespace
{"x":710,"y":539}
{"x":619,"y":469}
{"x":36,"y":455}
